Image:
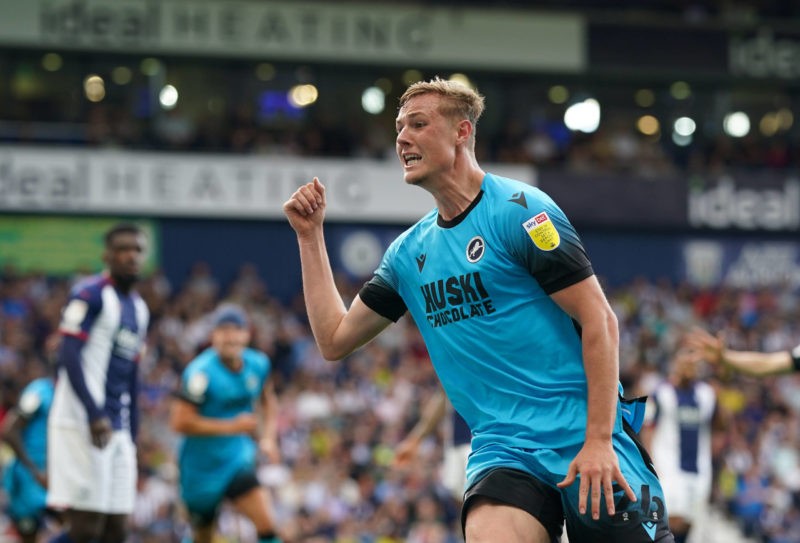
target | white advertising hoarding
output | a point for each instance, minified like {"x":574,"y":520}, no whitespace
{"x":207,"y":185}
{"x":395,"y":34}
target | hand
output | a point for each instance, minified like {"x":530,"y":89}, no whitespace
{"x":306,"y":208}
{"x":270,"y":448}
{"x":100,"y":430}
{"x":705,"y":346}
{"x":598,"y":468}
{"x":405,"y":451}
{"x":245,"y":423}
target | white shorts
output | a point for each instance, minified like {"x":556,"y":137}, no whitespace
{"x":454,"y":469}
{"x":687,"y":494}
{"x":81,"y":476}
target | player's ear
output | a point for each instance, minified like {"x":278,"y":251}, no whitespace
{"x":464,"y":129}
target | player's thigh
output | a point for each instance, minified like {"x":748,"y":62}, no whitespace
{"x":250,"y":498}
{"x":71,"y":471}
{"x":119,"y":457}
{"x":86,"y":478}
{"x":489,"y":520}
{"x":255,"y":504}
{"x":511,"y":505}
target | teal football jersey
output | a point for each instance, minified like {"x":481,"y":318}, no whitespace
{"x":219,"y":392}
{"x":478,"y":288}
{"x":34,"y":405}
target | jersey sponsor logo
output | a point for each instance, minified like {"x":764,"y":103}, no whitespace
{"x":475,"y":249}
{"x":127,"y":344}
{"x":689,"y":416}
{"x":519,"y":198}
{"x":455,"y":299}
{"x":542,"y":232}
{"x":421,"y":261}
{"x":73,"y":316}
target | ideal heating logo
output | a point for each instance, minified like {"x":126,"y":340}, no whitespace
{"x":726,"y":206}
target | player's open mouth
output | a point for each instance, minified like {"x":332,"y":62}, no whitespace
{"x":411,"y":159}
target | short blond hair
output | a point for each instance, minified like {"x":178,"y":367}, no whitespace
{"x":462,"y":101}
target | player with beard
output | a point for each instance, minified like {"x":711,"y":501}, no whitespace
{"x":91,"y":450}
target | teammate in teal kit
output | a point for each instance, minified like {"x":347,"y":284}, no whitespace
{"x":518,"y":329}
{"x":216,"y":411}
{"x":25,"y":478}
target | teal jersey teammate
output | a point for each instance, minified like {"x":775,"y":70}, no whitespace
{"x":25,"y":430}
{"x":219,"y":393}
{"x":518,"y":328}
{"x":224,"y":430}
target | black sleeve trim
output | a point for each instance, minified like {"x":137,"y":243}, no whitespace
{"x":796,"y":358}
{"x":181,"y":395}
{"x":568,"y":280}
{"x":382,"y":299}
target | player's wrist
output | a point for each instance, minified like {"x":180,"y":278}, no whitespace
{"x":95,"y":414}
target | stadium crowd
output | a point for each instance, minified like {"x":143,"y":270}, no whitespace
{"x":537,"y":137}
{"x":339,"y":422}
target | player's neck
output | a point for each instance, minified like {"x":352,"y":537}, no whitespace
{"x":123,"y":284}
{"x":234,"y":363}
{"x":456,"y":192}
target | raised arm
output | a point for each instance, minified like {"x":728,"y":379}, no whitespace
{"x":338,"y":330}
{"x":432,"y":414}
{"x":712,"y":349}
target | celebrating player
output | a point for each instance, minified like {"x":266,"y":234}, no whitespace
{"x":519,"y":331}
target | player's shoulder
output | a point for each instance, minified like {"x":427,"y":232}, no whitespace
{"x":254,"y":356}
{"x":41,"y":385}
{"x":414,"y":233}
{"x":662,"y":388}
{"x":705,"y":388}
{"x":91,"y":283}
{"x":203,"y":362}
{"x":514,"y":198}
{"x":90,"y":289}
{"x":36,"y":394}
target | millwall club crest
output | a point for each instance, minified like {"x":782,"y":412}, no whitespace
{"x":475,"y":249}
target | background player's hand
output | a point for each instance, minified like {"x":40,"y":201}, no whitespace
{"x":598,"y":468}
{"x":245,"y":423}
{"x":306,"y":208}
{"x":705,"y":346}
{"x":405,"y":451}
{"x":100,"y":430}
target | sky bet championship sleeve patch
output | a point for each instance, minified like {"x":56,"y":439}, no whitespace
{"x":542,"y":231}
